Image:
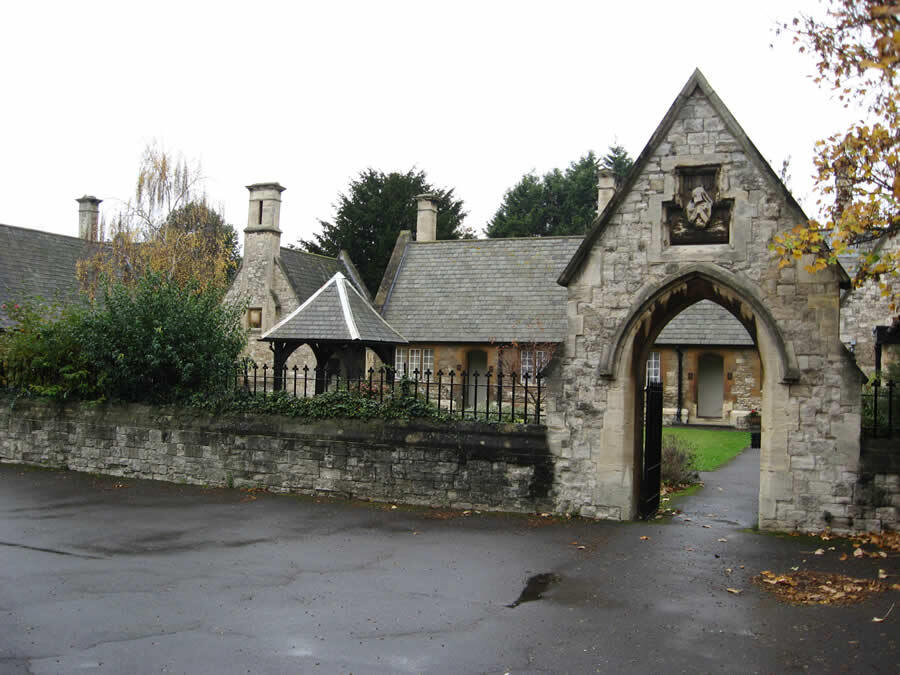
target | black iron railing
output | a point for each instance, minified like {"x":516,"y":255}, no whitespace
{"x":881,"y":409}
{"x":490,"y":396}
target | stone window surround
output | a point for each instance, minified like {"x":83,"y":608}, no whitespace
{"x":530,"y":361}
{"x":254,"y":313}
{"x":739,"y":229}
{"x":413,"y":358}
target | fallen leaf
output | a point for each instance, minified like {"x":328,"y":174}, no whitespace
{"x":644,"y":538}
{"x":722,"y":539}
{"x":728,"y":570}
{"x":688,"y":520}
{"x":795,"y":568}
{"x":706,"y":526}
{"x":858,"y":553}
{"x":879,"y":619}
{"x":581,"y":548}
{"x":734,"y":591}
{"x":819,"y":551}
{"x":843,"y":556}
{"x":393,"y":506}
{"x":882,"y":574}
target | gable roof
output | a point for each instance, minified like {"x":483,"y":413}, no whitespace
{"x":705,"y":323}
{"x":481,"y":290}
{"x":35,"y":263}
{"x":336,"y":312}
{"x":696,"y":81}
{"x":306,"y":272}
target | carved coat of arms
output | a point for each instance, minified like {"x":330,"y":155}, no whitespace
{"x":695,"y":215}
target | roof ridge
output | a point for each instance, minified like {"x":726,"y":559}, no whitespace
{"x":316,"y":255}
{"x":499,"y":239}
{"x":52,"y":234}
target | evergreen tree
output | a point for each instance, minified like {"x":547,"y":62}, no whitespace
{"x":560,"y":202}
{"x":370,"y":215}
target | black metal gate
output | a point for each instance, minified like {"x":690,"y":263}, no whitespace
{"x":652,"y":456}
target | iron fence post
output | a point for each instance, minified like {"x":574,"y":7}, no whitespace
{"x":527,"y":377}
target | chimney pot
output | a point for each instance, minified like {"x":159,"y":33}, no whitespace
{"x":606,"y":188}
{"x":426,"y":217}
{"x":265,"y":207}
{"x":88,"y":217}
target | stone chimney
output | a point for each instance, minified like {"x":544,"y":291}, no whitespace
{"x":426,"y":217}
{"x":89,"y":218}
{"x":262,"y":243}
{"x":262,"y":236}
{"x":606,"y":188}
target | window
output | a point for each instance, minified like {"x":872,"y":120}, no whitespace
{"x":532,"y":364}
{"x":407,"y":360}
{"x":254,"y":317}
{"x":653,"y":372}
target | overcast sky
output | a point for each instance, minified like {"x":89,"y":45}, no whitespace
{"x":309,"y":94}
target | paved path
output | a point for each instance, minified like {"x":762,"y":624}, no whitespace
{"x":153,"y":577}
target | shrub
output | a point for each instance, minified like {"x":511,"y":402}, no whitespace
{"x":347,"y":404}
{"x":157,"y":341}
{"x":161,"y":341}
{"x":678,"y":462}
{"x":41,"y":354}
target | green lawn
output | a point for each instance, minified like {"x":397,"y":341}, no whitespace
{"x":713,"y":447}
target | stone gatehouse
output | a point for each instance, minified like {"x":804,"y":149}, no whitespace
{"x":693,"y":222}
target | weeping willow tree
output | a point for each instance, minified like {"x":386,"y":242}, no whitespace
{"x":168,"y":227}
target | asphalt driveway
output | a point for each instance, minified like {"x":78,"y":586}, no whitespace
{"x":122,"y":576}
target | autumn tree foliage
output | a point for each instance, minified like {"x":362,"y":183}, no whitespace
{"x":168,"y":228}
{"x":857,"y":49}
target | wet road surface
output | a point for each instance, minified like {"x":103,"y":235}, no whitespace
{"x":106,"y":575}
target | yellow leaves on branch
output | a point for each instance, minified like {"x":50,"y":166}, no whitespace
{"x":181,"y":256}
{"x":857,"y":45}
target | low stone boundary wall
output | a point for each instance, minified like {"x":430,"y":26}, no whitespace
{"x":460,"y":465}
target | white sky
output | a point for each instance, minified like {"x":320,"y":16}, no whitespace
{"x":309,"y":94}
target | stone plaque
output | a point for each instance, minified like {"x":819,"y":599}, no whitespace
{"x":696,"y":215}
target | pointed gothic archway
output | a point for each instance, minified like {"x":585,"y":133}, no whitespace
{"x":653,"y":309}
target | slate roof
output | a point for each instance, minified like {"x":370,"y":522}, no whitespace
{"x":35,"y":263}
{"x":705,"y":323}
{"x":481,"y":290}
{"x":308,"y":271}
{"x":336,"y":312}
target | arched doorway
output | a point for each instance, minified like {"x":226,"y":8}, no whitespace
{"x":634,"y":340}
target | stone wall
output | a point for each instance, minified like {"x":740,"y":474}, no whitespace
{"x":466,"y":465}
{"x":861,"y":310}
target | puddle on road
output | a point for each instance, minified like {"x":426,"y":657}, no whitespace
{"x":535,"y":586}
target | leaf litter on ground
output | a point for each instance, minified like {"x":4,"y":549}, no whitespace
{"x":806,"y":587}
